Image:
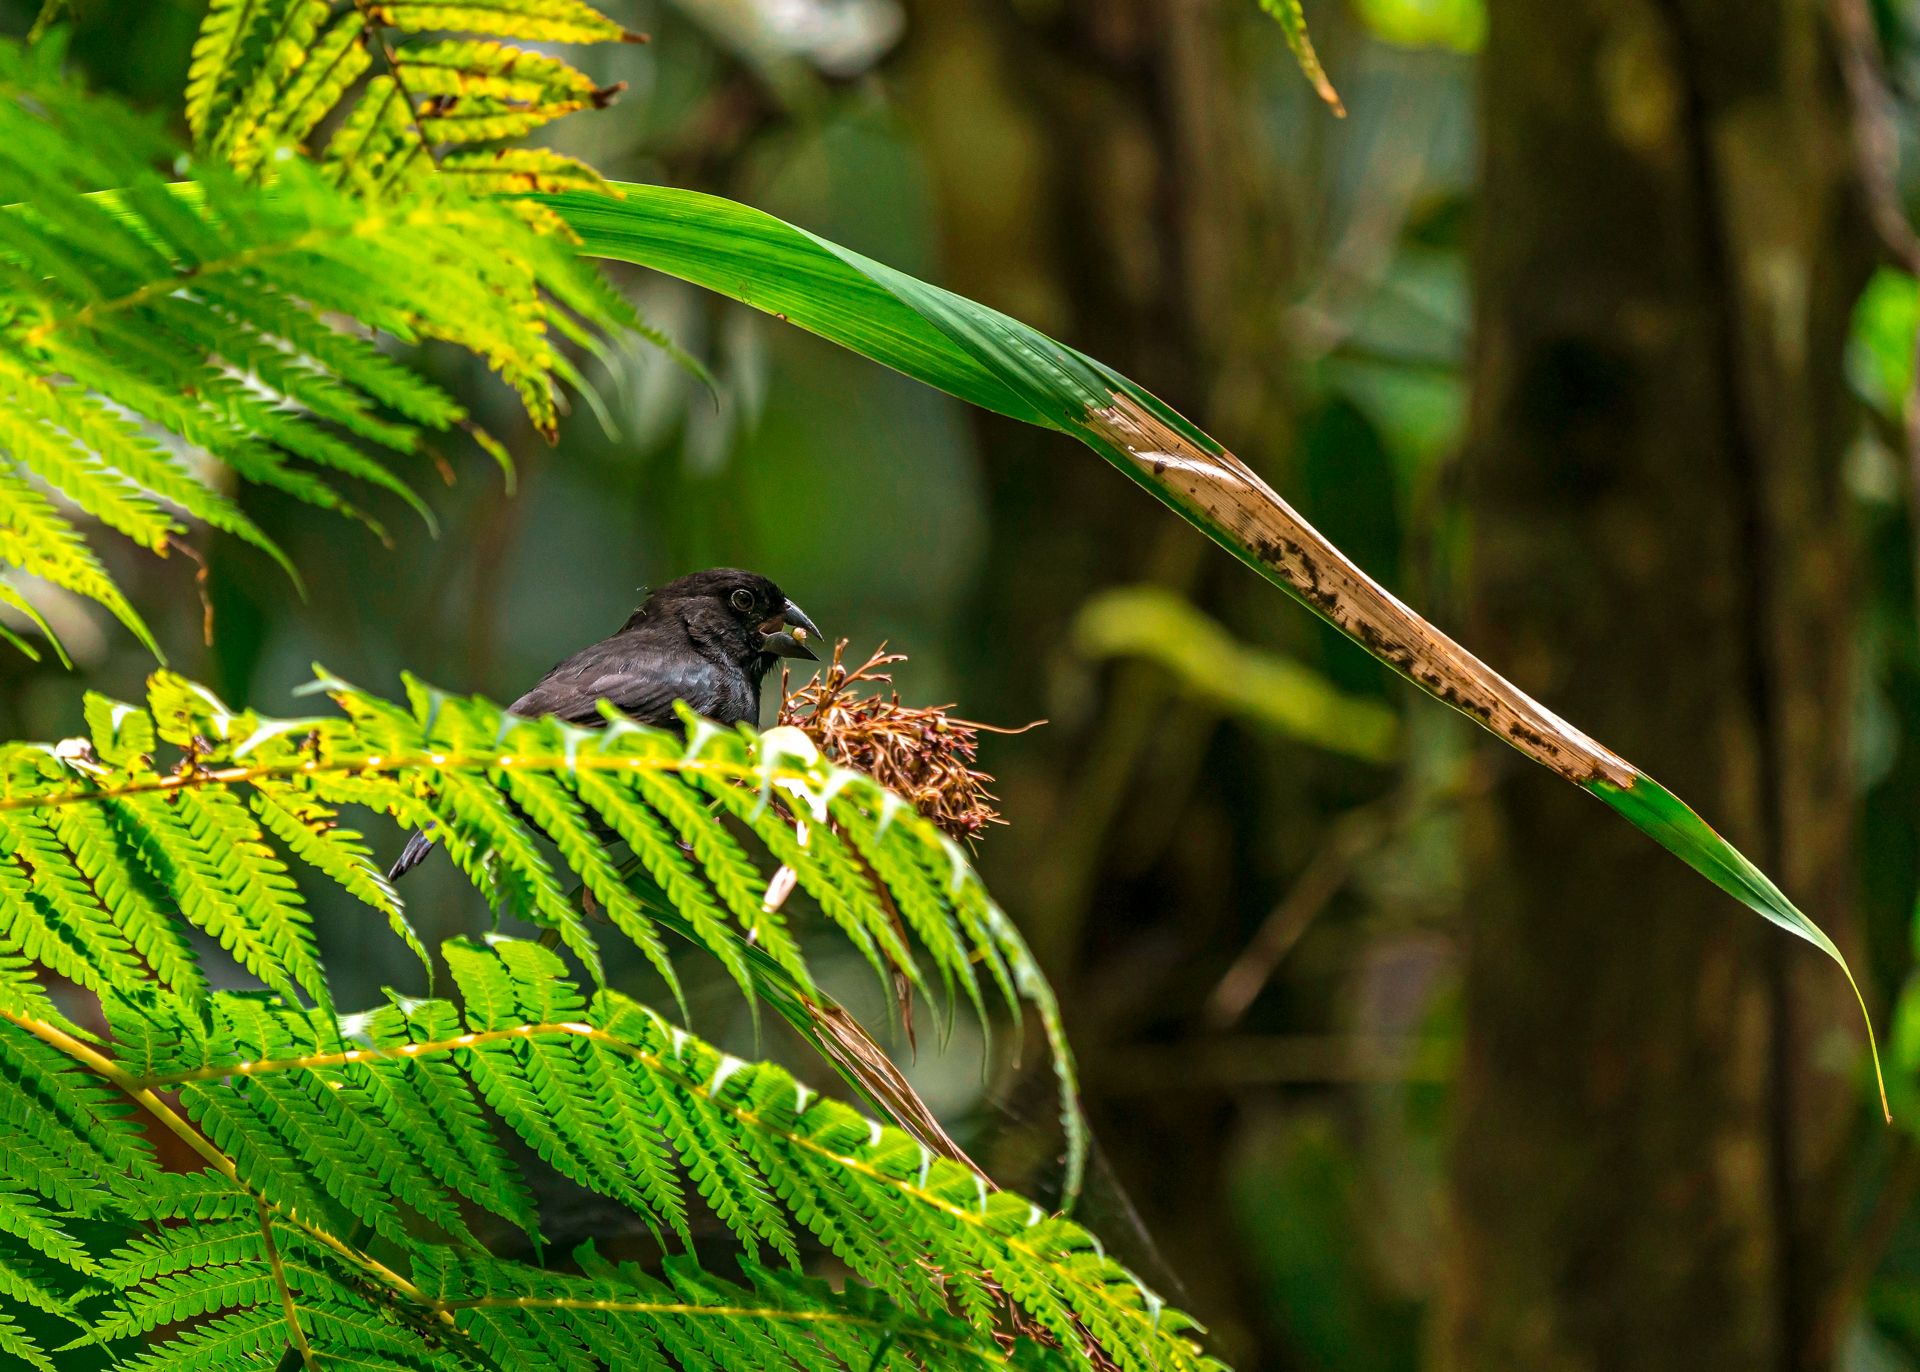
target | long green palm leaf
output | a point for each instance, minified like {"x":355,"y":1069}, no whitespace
{"x":991,"y":360}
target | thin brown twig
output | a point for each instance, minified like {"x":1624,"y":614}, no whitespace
{"x":199,"y":559}
{"x":1355,"y":834}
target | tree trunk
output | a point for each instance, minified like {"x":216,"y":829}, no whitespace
{"x":1651,"y":1119}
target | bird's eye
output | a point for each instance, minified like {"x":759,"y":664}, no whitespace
{"x":743,"y":601}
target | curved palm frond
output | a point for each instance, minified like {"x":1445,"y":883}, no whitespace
{"x":1293,"y":24}
{"x":993,"y":360}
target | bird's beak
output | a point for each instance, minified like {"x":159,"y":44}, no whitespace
{"x":786,"y":634}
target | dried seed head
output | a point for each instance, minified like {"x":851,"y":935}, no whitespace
{"x":921,"y":753}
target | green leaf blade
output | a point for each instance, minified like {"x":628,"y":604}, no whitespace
{"x":989,"y":359}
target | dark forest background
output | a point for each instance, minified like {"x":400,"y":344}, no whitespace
{"x":1589,"y":332}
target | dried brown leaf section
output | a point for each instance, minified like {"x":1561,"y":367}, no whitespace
{"x":1230,"y":495}
{"x":921,"y":753}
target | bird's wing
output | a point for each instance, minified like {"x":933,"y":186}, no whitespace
{"x":640,"y":681}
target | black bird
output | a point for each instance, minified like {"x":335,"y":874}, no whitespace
{"x":706,"y":639}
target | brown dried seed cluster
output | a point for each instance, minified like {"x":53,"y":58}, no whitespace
{"x":920,"y":753}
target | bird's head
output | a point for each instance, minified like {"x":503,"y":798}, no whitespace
{"x":744,"y":606}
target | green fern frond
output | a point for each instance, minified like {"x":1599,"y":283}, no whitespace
{"x":216,"y":60}
{"x":463,"y":1152}
{"x":457,"y":68}
{"x":334,"y":62}
{"x":288,"y":29}
{"x":88,"y":483}
{"x":357,"y":1169}
{"x":541,"y":21}
{"x":62,"y":1133}
{"x":519,"y":171}
{"x":205,"y":310}
{"x":18,"y":1344}
{"x":38,"y":540}
{"x":331,"y":1217}
{"x":23,"y":1219}
{"x":181,"y":1249}
{"x":127,"y":453}
{"x":267,"y":73}
{"x":100,"y":838}
{"x":376,"y":141}
{"x":50,"y":910}
{"x":11,"y":598}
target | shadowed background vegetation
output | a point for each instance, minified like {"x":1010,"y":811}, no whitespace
{"x":1588,"y":331}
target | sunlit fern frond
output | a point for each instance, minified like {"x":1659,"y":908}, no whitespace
{"x":749,"y":846}
{"x":382,"y":93}
{"x":351,"y":1193}
{"x":146,"y":331}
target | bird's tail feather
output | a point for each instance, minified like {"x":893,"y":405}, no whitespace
{"x":412,"y":855}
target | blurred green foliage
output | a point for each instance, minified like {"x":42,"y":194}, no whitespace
{"x":1457,"y":24}
{"x":1881,"y":359}
{"x":1156,"y":625}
